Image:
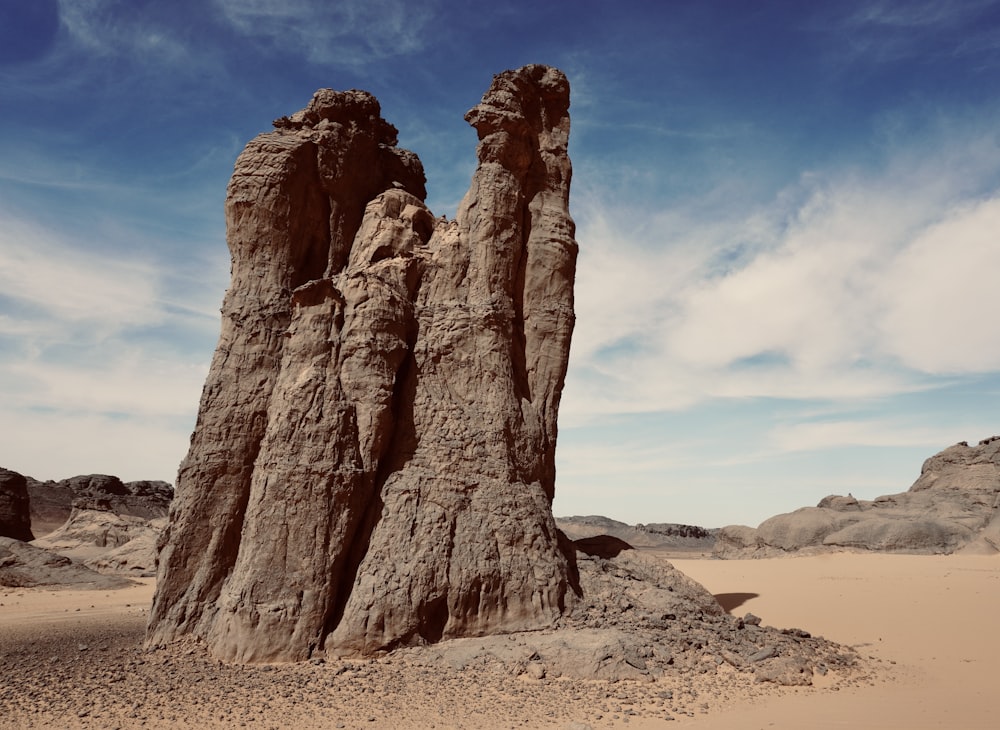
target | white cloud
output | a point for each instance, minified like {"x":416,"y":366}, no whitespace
{"x":49,"y":277}
{"x":114,"y":379}
{"x":941,"y":297}
{"x":849,"y":285}
{"x":88,"y":380}
{"x":46,"y":447}
{"x":873,"y":433}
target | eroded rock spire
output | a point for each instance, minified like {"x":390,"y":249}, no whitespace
{"x":373,"y":463}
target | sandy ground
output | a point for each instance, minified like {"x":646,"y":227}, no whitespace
{"x":934,"y":616}
{"x":73,"y":659}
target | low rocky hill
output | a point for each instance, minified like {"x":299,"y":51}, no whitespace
{"x":655,"y":535}
{"x":952,"y":506}
{"x":23,"y":565}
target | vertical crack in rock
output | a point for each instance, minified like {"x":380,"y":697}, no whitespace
{"x":373,"y":463}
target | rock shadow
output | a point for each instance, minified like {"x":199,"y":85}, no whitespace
{"x":601,"y":546}
{"x":729,"y":601}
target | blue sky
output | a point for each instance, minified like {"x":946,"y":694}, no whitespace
{"x":788,"y":216}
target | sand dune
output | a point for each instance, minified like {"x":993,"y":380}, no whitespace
{"x":72,"y":659}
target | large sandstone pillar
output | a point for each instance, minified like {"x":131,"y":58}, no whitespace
{"x":373,"y":463}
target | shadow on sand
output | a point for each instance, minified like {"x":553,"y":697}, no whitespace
{"x":729,"y":601}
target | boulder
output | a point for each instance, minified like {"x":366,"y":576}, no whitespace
{"x":908,"y":534}
{"x":805,"y":526}
{"x":735,"y":541}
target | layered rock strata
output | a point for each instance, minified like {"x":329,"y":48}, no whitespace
{"x":954,"y":505}
{"x":373,"y":463}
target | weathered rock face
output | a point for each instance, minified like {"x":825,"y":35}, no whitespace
{"x":953,"y":505}
{"x":15,"y":512}
{"x":373,"y":463}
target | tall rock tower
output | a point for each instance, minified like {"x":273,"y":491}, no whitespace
{"x":373,"y":463}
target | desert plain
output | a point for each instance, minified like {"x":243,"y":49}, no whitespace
{"x":373,"y":469}
{"x":925,"y":624}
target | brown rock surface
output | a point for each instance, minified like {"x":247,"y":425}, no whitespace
{"x":373,"y":463}
{"x":953,"y":505}
{"x":25,"y":565}
{"x":106,"y":541}
{"x":52,"y":502}
{"x":15,"y":511}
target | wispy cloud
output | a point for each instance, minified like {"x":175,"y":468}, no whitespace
{"x":55,"y":446}
{"x":352,"y":32}
{"x":889,"y":31}
{"x":869,"y":433}
{"x":95,"y":352}
{"x":51,"y":279}
{"x":927,"y":14}
{"x":112,"y":27}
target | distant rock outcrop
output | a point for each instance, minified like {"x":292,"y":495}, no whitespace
{"x":954,"y":505}
{"x":93,"y":520}
{"x":105,"y":541}
{"x":373,"y":463}
{"x":23,"y":565}
{"x":15,"y":511}
{"x":52,"y":502}
{"x":664,"y":536}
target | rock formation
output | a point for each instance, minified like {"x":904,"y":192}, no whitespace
{"x":640,"y":618}
{"x":52,"y":502}
{"x":953,"y":505}
{"x":137,"y":557}
{"x":105,"y":541}
{"x":373,"y":462}
{"x":663,"y":536}
{"x":23,"y":565}
{"x":15,"y":511}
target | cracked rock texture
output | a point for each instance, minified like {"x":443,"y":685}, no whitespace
{"x":373,"y":462}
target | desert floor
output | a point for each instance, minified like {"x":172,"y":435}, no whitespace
{"x":74,"y":659}
{"x":934,"y":616}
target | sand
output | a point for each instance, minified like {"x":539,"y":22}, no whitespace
{"x":73,"y":659}
{"x":934,"y":616}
